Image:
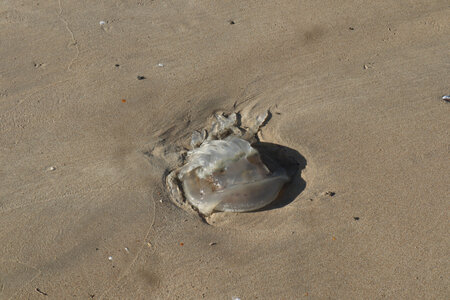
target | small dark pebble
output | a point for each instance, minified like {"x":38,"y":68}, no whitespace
{"x":351,"y":28}
{"x":141,"y":77}
{"x":356,"y":218}
{"x":232,"y":22}
{"x":117,"y":65}
{"x":331,"y":194}
{"x":96,"y":249}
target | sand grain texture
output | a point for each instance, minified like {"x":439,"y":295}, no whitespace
{"x":353,"y":86}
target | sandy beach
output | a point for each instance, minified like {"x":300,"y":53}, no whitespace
{"x":98,"y":97}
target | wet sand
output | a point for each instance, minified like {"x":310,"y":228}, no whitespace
{"x":91,"y":117}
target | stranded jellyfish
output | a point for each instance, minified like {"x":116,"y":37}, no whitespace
{"x":223,"y":172}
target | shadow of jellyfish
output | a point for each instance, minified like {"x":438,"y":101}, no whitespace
{"x":275,"y":156}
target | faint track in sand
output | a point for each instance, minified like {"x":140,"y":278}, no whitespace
{"x":128,"y":269}
{"x":74,"y":41}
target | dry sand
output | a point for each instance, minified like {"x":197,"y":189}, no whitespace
{"x":354,"y":86}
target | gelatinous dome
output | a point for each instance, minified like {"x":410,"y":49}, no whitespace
{"x":228,"y":175}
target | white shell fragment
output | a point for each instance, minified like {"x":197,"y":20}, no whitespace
{"x":223,"y":172}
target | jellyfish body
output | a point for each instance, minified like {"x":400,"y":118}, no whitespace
{"x":229,"y":175}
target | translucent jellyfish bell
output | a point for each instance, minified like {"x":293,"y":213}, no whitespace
{"x":229,"y":175}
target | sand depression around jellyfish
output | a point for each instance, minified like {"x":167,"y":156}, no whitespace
{"x":223,"y":172}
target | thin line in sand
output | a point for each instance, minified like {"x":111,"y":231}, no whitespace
{"x":125,"y":273}
{"x":74,"y":41}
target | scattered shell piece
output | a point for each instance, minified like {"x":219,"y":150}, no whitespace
{"x":149,"y":244}
{"x":52,"y":168}
{"x":160,"y":65}
{"x":109,"y":258}
{"x":39,"y":291}
{"x":127,"y":250}
{"x":102,"y":23}
{"x":212,"y":243}
{"x":446,"y":98}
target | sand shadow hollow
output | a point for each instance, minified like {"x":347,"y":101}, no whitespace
{"x":275,"y":156}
